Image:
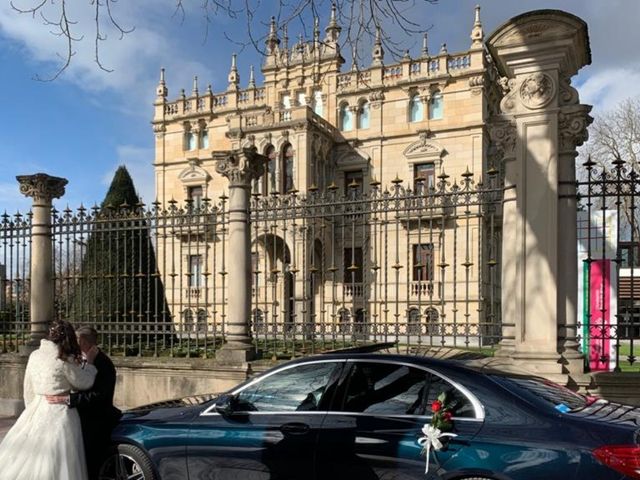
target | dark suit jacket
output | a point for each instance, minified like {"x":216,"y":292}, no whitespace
{"x":95,"y":406}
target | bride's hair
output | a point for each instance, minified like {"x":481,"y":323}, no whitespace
{"x":64,"y":336}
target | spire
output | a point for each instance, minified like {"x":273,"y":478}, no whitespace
{"x":354,"y":59}
{"x":477,"y":33}
{"x":272,"y":40}
{"x":425,"y":46}
{"x":378,"y":52}
{"x":234,"y":76}
{"x":284,"y":53}
{"x":194,"y":91}
{"x":333,"y":29}
{"x":316,"y":30}
{"x":252,"y":80}
{"x":161,"y":89}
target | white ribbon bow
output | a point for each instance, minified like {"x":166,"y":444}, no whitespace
{"x":432,"y":436}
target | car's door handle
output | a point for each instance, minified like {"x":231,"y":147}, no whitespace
{"x":294,"y":428}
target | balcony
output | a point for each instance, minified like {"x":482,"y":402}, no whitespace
{"x":425,"y":289}
{"x":194,"y":294}
{"x":354,"y":290}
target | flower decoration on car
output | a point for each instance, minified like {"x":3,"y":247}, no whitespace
{"x":438,"y":429}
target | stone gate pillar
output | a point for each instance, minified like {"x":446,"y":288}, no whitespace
{"x":540,"y":125}
{"x":43,"y":189}
{"x":241,"y":168}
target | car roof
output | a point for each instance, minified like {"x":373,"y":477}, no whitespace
{"x":405,"y":358}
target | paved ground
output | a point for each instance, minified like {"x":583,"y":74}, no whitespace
{"x":5,"y":425}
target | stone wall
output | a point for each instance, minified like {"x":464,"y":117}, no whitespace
{"x":140,"y":381}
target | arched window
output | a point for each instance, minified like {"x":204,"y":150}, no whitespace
{"x":346,"y":118}
{"x":344,"y":320}
{"x":359,"y":325}
{"x":286,"y":102}
{"x":204,"y":138}
{"x":259,"y":325}
{"x":190,"y":140}
{"x":435,"y":106}
{"x":286,"y":169}
{"x":413,"y":321}
{"x":433,"y":321}
{"x":187,"y":320}
{"x":201,"y":320}
{"x":269,"y":179}
{"x":363,"y":115}
{"x":317,"y":103}
{"x":416,"y":112}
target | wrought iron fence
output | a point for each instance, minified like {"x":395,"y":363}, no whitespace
{"x":417,"y":266}
{"x":410,"y":265}
{"x":609,"y":265}
{"x":130,"y":272}
{"x":15,"y":254}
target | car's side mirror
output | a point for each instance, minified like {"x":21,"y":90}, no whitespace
{"x":226,"y":404}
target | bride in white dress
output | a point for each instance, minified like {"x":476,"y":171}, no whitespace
{"x":45,"y":443}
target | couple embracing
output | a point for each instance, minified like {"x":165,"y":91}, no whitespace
{"x":69,"y":413}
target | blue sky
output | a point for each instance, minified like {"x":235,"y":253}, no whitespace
{"x":87,"y":122}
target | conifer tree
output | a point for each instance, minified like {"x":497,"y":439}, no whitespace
{"x":119,"y":288}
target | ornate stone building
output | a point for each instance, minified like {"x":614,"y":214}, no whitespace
{"x":420,"y":123}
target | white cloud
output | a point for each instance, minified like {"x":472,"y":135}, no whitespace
{"x":607,"y":88}
{"x":135,"y":59}
{"x":139,"y":164}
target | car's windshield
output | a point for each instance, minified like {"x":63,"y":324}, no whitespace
{"x":556,"y":396}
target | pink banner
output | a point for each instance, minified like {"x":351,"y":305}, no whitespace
{"x":600,"y":309}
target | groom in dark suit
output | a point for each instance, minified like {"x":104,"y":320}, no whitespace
{"x":95,"y":406}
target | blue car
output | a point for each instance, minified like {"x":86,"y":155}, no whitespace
{"x":374,"y":416}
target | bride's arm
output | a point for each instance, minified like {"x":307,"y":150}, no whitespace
{"x":80,"y":377}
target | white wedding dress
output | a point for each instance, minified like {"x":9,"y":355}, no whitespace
{"x":45,"y":443}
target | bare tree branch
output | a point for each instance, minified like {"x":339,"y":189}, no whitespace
{"x":360,"y":20}
{"x":614,"y":136}
{"x":63,"y":27}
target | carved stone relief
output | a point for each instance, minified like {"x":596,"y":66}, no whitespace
{"x":504,"y":135}
{"x":537,"y":90}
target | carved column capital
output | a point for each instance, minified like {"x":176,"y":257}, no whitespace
{"x":503,"y":134}
{"x":572,"y":127}
{"x":42,"y":187}
{"x":241,"y":167}
{"x":159,"y":129}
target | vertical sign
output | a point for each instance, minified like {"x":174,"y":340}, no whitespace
{"x":600,"y":349}
{"x":597,"y":293}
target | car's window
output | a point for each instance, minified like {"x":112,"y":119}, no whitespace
{"x":298,"y":388}
{"x":392,"y":389}
{"x":556,"y":396}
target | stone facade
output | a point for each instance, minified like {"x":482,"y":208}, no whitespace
{"x":321,"y":127}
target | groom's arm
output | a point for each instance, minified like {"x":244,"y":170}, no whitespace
{"x":101,"y":394}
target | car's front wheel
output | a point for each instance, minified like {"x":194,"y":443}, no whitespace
{"x":127,"y":462}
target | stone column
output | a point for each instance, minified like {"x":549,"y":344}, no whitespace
{"x":573,"y":121}
{"x":503,"y":136}
{"x":43,"y":189}
{"x":241,"y":167}
{"x":537,"y":53}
